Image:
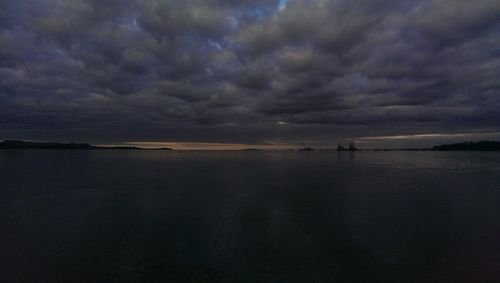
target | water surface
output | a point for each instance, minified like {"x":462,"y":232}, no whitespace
{"x":259,"y":216}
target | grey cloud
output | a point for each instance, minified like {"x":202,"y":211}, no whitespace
{"x":449,"y":21}
{"x":171,"y":68}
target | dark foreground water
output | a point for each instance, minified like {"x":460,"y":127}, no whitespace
{"x":141,"y":216}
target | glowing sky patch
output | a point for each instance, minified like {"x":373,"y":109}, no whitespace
{"x":420,"y":136}
{"x":282,"y":4}
{"x":207,"y":146}
{"x":425,"y":140}
{"x":215,"y":44}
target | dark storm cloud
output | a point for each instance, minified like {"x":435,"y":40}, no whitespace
{"x":247,"y":70}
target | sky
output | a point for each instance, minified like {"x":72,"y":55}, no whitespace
{"x":270,"y":74}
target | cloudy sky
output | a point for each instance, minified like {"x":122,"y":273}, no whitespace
{"x":256,"y":72}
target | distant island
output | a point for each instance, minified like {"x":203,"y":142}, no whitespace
{"x":470,"y":146}
{"x":16,"y":144}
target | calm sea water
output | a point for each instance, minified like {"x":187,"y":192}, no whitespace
{"x":143,"y":216}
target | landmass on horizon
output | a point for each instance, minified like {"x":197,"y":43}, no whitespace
{"x":470,"y":146}
{"x":16,"y":144}
{"x":464,"y":146}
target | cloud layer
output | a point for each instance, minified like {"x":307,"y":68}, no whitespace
{"x":248,"y":71}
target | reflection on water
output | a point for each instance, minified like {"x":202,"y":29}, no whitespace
{"x":123,"y":216}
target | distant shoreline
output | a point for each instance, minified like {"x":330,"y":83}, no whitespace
{"x":19,"y":145}
{"x":24,"y":145}
{"x":464,"y":146}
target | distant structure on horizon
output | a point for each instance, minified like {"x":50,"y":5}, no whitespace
{"x":352,"y":147}
{"x":306,"y":148}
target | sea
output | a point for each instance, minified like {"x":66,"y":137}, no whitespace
{"x":249,"y":216}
